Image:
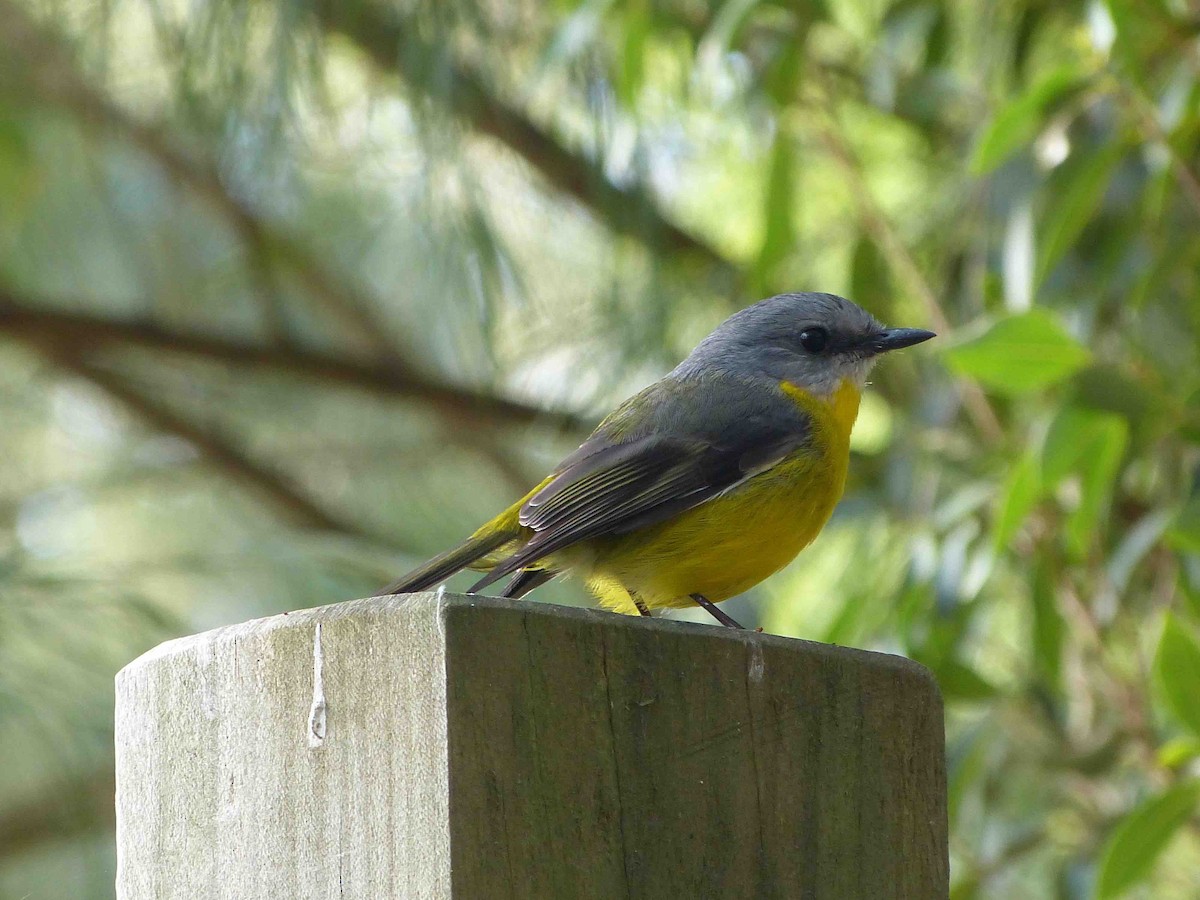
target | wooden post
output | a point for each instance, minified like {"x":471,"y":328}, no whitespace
{"x":465,"y":747}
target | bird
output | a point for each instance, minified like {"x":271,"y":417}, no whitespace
{"x":704,"y":483}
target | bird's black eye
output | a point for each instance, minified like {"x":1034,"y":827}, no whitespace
{"x":814,"y":339}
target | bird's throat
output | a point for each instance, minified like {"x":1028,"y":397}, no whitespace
{"x":838,"y":409}
{"x":844,"y":405}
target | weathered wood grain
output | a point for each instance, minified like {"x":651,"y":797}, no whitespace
{"x":478,"y":748}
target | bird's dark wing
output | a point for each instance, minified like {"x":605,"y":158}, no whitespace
{"x":632,"y":474}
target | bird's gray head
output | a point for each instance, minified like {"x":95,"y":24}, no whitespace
{"x":815,"y":341}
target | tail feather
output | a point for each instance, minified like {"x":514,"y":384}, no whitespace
{"x":527,"y":580}
{"x":493,"y":575}
{"x":442,"y":567}
{"x":526,"y":556}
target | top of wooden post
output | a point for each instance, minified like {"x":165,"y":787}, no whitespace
{"x":449,"y":746}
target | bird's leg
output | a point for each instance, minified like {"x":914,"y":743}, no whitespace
{"x":711,"y":608}
{"x":640,"y":604}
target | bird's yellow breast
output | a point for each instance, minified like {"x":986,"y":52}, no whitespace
{"x":734,"y":541}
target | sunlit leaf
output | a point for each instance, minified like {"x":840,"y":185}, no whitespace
{"x":1020,"y":354}
{"x":1018,"y":496}
{"x":633,"y":55}
{"x":1177,"y":672}
{"x":1140,"y":838}
{"x":1016,"y":123}
{"x":1178,"y":752}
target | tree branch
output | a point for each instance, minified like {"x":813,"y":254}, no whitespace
{"x":282,"y":492}
{"x":76,"y":330}
{"x":80,"y":807}
{"x":50,"y":70}
{"x":393,"y":43}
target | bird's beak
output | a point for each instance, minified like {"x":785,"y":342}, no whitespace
{"x":897,"y":338}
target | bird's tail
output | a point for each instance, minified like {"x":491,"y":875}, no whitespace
{"x":503,"y":529}
{"x":442,"y":567}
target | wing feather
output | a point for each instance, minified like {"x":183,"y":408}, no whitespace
{"x":638,"y":476}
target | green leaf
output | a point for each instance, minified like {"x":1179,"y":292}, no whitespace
{"x":1141,"y":29}
{"x":967,"y":764}
{"x":1104,"y":448}
{"x":1177,"y":673}
{"x":780,"y":234}
{"x":1141,"y":837}
{"x":1136,"y":397}
{"x":960,"y":682}
{"x":1063,"y":449}
{"x":1184,"y":533}
{"x":1021,"y":493}
{"x":967,"y":889}
{"x":1048,"y":625}
{"x":782,"y":76}
{"x":870,"y":277}
{"x":631,"y":72}
{"x":1178,"y":752}
{"x":1075,"y":194}
{"x":1020,"y":354}
{"x":1021,"y":118}
{"x":725,"y":24}
{"x":21,"y":179}
{"x":938,"y":40}
{"x":1091,"y":444}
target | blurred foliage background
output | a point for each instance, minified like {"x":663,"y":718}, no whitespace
{"x":294,"y":293}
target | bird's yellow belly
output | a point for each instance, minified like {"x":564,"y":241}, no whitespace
{"x":727,"y":545}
